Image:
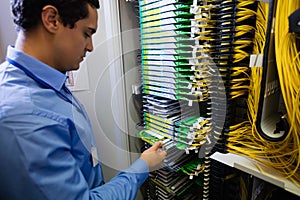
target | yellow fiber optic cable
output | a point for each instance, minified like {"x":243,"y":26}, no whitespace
{"x":284,"y":156}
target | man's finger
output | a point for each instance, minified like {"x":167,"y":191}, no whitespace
{"x":156,"y":146}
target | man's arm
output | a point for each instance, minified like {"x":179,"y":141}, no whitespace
{"x":37,"y":163}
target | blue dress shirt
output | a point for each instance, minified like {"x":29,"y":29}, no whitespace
{"x":46,"y":139}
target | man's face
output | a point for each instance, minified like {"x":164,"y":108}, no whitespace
{"x":72,"y":44}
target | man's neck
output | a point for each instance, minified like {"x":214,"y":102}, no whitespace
{"x":35,"y":45}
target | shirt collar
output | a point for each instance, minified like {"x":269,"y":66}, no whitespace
{"x":39,"y":70}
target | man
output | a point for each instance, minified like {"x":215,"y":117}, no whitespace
{"x":47,"y":147}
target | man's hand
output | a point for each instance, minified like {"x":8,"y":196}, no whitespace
{"x":154,"y":156}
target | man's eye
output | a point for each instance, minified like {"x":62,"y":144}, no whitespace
{"x":87,"y":35}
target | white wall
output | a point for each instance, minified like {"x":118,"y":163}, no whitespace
{"x":7,"y":30}
{"x":106,"y":99}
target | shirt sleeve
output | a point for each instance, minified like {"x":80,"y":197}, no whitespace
{"x":37,"y":162}
{"x":124,"y":185}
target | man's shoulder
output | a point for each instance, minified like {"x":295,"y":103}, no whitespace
{"x":13,"y":92}
{"x":22,"y":95}
{"x":26,"y":97}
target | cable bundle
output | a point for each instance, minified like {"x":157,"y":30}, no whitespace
{"x":175,"y":92}
{"x":174,"y":85}
{"x":236,"y":30}
{"x":281,"y":155}
{"x":288,"y":65}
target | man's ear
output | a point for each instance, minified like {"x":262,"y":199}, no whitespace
{"x":50,"y":18}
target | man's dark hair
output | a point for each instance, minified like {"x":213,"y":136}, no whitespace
{"x":27,"y":13}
